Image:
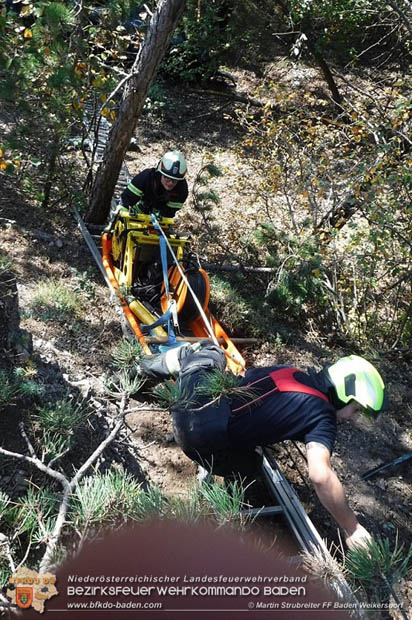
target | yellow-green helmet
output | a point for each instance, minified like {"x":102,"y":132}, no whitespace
{"x":354,"y":378}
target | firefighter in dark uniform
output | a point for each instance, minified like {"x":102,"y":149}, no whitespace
{"x":161,"y":190}
{"x":279,"y":403}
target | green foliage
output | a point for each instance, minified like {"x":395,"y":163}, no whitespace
{"x":218,"y":383}
{"x":334,"y":225}
{"x":54,"y":57}
{"x":151,"y":504}
{"x":125,"y":358}
{"x":110,"y":500}
{"x":52,"y":300}
{"x":113,"y":498}
{"x":33,"y":515}
{"x":8,"y":388}
{"x":378,"y":566}
{"x":85,"y":283}
{"x":204,"y":195}
{"x":196,"y":51}
{"x":126,"y":354}
{"x":189,"y":509}
{"x":157,"y":100}
{"x":226,"y":502}
{"x":356,"y":30}
{"x":5,"y":262}
{"x":58,"y":17}
{"x":56,"y":424}
{"x":220,"y":32}
{"x":106,"y":499}
{"x":4,"y":503}
{"x":4,"y":571}
{"x":123,"y":382}
{"x":15,"y":384}
{"x":296,"y":284}
{"x":170,"y":394}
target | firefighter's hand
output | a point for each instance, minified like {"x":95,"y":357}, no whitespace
{"x":109,"y":227}
{"x":359,"y":538}
{"x":112,"y":221}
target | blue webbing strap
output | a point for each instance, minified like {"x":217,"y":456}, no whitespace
{"x":168,"y":316}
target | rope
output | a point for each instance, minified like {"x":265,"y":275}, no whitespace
{"x":170,"y":316}
{"x":197,"y":302}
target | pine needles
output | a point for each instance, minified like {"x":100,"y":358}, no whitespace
{"x":14,"y":384}
{"x":126,"y":354}
{"x":378,"y":568}
{"x":377,"y":564}
{"x":125,"y":359}
{"x":56,"y":424}
{"x":113,"y":498}
{"x":226,"y":502}
{"x":170,"y":394}
{"x":218,"y":383}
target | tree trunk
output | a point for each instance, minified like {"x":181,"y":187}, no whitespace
{"x":311,"y":45}
{"x":142,"y":76}
{"x":15,"y":343}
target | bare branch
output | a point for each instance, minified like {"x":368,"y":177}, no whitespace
{"x":80,"y":473}
{"x":27,"y":440}
{"x":401,"y":14}
{"x":69,"y":487}
{"x":37,"y":463}
{"x":57,"y":457}
{"x":5,"y":550}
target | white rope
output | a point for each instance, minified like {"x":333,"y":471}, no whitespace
{"x":196,"y":300}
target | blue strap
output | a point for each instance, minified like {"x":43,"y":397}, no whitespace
{"x":163,"y":256}
{"x":167,"y":317}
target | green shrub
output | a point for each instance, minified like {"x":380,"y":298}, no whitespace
{"x":55,"y":424}
{"x":16,"y":383}
{"x":199,"y":45}
{"x":126,"y":354}
{"x":53,"y":300}
{"x":105,"y":499}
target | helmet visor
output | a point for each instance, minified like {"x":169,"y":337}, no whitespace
{"x":354,"y":378}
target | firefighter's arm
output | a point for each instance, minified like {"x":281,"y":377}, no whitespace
{"x":119,"y":211}
{"x":331,"y":493}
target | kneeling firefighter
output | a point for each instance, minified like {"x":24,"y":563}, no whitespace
{"x":279,"y":403}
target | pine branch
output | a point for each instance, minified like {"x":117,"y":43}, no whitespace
{"x":68,"y":486}
{"x":68,"y":489}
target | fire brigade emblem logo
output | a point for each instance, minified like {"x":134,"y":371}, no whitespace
{"x":24,"y":597}
{"x":26,"y":588}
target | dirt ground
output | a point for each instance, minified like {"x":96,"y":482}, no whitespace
{"x":75,"y":356}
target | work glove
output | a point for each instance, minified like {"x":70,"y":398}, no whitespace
{"x":135,"y":209}
{"x":163,"y":365}
{"x":112,"y":221}
{"x":359,"y":538}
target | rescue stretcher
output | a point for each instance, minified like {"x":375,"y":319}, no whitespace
{"x":163,"y":292}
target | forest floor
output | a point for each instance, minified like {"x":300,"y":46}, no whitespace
{"x":74,"y":354}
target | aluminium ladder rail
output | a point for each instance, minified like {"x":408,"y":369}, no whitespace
{"x":98,"y":131}
{"x":289,"y":505}
{"x":305,"y":533}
